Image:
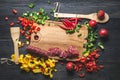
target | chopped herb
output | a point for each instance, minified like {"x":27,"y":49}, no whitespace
{"x":77,"y":27}
{"x":56,"y":18}
{"x":79,"y":35}
{"x":70,"y":31}
{"x":100,"y":45}
{"x":49,"y":2}
{"x":91,"y":39}
{"x":49,"y":24}
{"x":52,"y":11}
{"x":42,"y":10}
{"x":31,"y":5}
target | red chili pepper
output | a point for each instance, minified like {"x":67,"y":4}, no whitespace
{"x":28,"y":37}
{"x":30,"y":31}
{"x":20,"y":18}
{"x":6,"y":18}
{"x":81,"y":75}
{"x":68,"y":23}
{"x":38,"y":29}
{"x":12,"y":24}
{"x":101,"y":66}
{"x":66,"y":28}
{"x":22,"y":32}
{"x":14,"y":11}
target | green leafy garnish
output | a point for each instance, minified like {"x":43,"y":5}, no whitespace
{"x":31,"y":5}
{"x":41,"y":10}
{"x":77,"y":27}
{"x":100,"y":45}
{"x":70,"y":31}
{"x":49,"y":2}
{"x":79,"y":35}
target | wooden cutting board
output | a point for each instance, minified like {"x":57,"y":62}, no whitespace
{"x":54,"y":36}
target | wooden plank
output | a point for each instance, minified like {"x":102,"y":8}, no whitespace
{"x":53,"y":36}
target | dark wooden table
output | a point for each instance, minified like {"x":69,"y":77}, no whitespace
{"x":110,"y":58}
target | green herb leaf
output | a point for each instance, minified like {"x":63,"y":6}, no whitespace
{"x":56,"y":18}
{"x":100,"y":45}
{"x":49,"y":2}
{"x":31,"y":5}
{"x":42,"y":10}
{"x":70,"y":31}
{"x":79,"y":35}
{"x":77,"y":27}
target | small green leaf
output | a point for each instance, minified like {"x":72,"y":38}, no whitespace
{"x":79,"y":35}
{"x":100,"y":45}
{"x":77,"y":27}
{"x":56,"y":18}
{"x":49,"y":24}
{"x":70,"y":31}
{"x":42,"y":10}
{"x":31,"y":5}
{"x":49,"y":2}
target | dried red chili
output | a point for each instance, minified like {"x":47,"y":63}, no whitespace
{"x":81,"y":75}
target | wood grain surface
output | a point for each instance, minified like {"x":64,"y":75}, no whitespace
{"x":110,"y":57}
{"x":55,"y":37}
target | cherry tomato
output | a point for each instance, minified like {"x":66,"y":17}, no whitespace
{"x":69,"y":66}
{"x":92,"y":23}
{"x":101,"y":14}
{"x":103,"y":32}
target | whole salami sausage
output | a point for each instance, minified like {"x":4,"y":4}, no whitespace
{"x":70,"y":53}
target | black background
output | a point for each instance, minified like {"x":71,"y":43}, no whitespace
{"x":110,"y":58}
